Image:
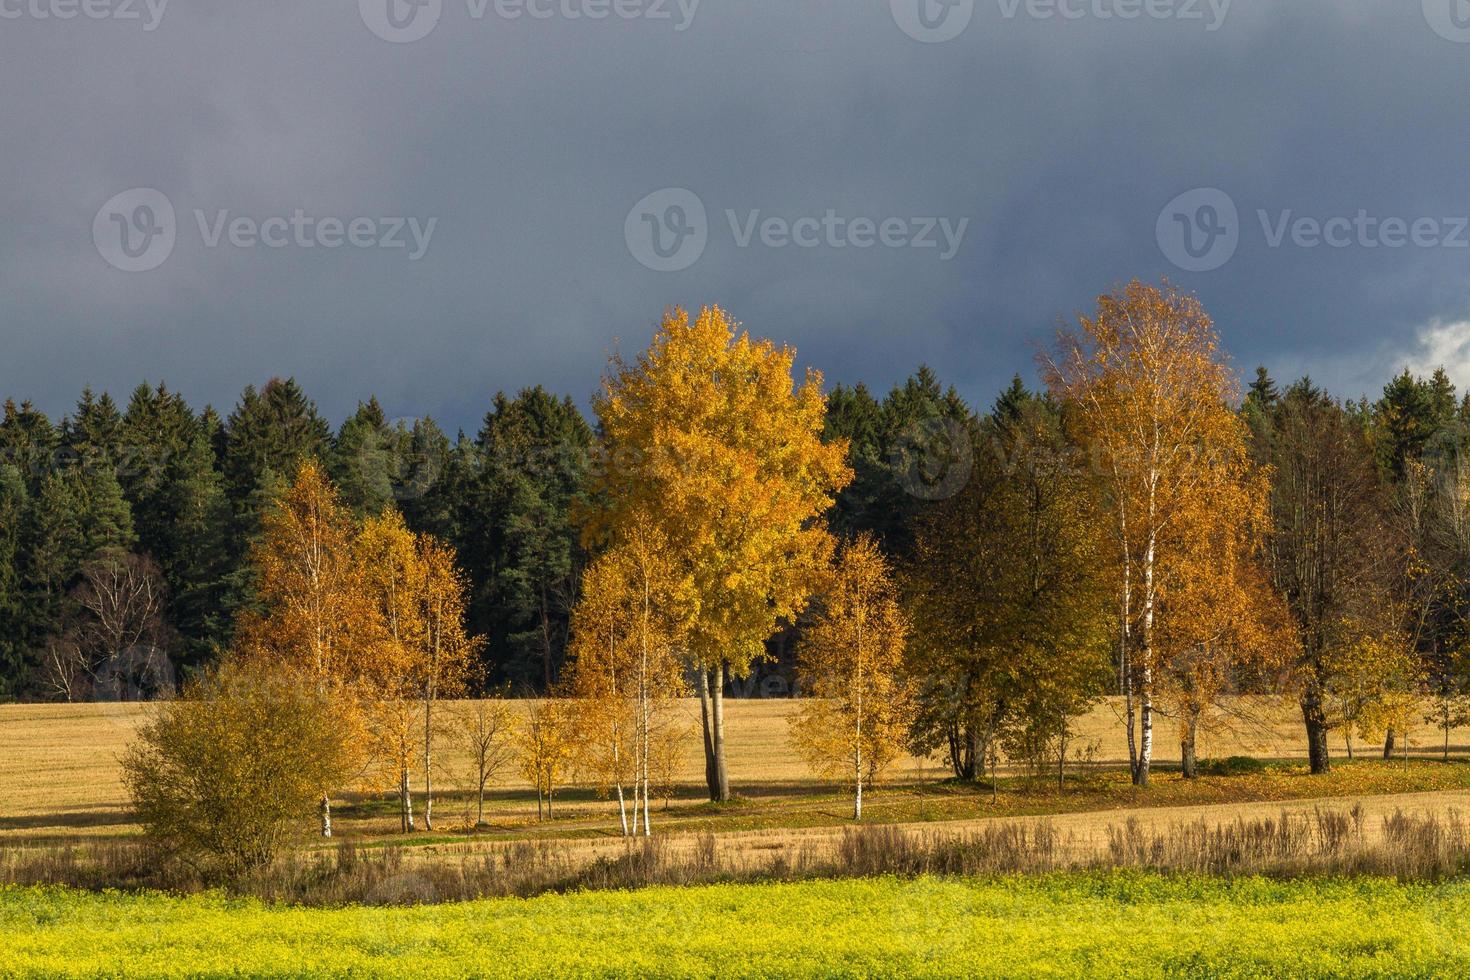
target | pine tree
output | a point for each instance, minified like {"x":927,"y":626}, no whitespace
{"x":13,"y":607}
{"x":515,"y":533}
{"x":364,"y":462}
{"x":180,"y":512}
{"x":93,"y":433}
{"x":28,"y":442}
{"x":260,"y":448}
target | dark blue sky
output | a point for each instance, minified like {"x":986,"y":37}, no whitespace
{"x":826,"y":146}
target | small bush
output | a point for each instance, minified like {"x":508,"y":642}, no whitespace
{"x":224,"y":775}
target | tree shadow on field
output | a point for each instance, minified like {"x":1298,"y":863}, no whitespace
{"x":74,"y":818}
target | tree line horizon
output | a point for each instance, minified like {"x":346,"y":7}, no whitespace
{"x":1140,"y":525}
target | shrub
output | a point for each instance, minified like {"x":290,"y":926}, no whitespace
{"x":224,"y":775}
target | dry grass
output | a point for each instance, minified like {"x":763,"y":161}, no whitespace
{"x":59,"y":766}
{"x":1316,"y":842}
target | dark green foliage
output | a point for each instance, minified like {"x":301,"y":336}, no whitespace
{"x":912,"y":450}
{"x":377,"y":465}
{"x":1236,"y":765}
{"x":180,"y":512}
{"x":515,"y":532}
{"x":1010,"y":613}
{"x":260,"y":446}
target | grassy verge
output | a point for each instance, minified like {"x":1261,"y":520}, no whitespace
{"x":1103,"y":789}
{"x":1061,"y":924}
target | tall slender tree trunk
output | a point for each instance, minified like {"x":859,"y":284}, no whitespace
{"x":1315,"y":720}
{"x":429,"y":748}
{"x":326,"y":813}
{"x":857,"y":805}
{"x":405,"y":802}
{"x":722,"y":775}
{"x":706,"y":725}
{"x":1146,"y":732}
{"x":1062,"y":754}
{"x":1188,"y":766}
{"x":1388,"y":744}
{"x":1146,"y":651}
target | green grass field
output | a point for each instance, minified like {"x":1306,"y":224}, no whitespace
{"x":1060,"y":925}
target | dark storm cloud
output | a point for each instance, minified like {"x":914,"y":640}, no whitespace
{"x":1057,"y":138}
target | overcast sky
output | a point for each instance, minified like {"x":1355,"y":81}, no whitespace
{"x":962,"y":194}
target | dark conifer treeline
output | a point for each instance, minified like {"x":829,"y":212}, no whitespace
{"x":173,"y":496}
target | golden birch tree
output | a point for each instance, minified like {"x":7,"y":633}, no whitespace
{"x":627,"y":633}
{"x":858,"y":707}
{"x":546,"y":747}
{"x":1152,"y":399}
{"x":708,"y":437}
{"x":394,"y":580}
{"x":315,"y":615}
{"x":447,"y":651}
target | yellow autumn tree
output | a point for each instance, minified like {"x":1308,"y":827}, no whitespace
{"x":1371,"y":672}
{"x":1150,"y":397}
{"x":315,"y":614}
{"x":624,"y":667}
{"x":423,"y":651}
{"x":447,"y":652}
{"x":858,"y":706}
{"x":546,"y":746}
{"x":392,"y":580}
{"x":1218,"y":616}
{"x":708,"y":436}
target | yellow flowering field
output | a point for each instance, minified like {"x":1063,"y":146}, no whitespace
{"x":1058,"y":925}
